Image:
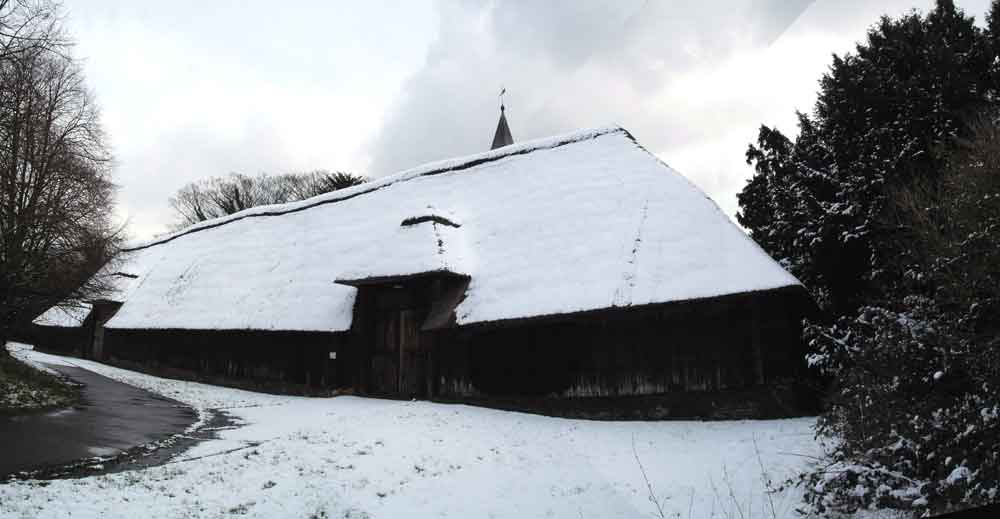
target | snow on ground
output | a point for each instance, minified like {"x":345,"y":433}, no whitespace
{"x":17,"y":349}
{"x":21,"y":389}
{"x":358,"y":457}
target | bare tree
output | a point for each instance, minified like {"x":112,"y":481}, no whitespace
{"x":221,"y":196}
{"x":56,"y":194}
{"x":30,"y":25}
{"x":325,"y":182}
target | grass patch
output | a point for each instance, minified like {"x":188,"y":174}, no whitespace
{"x":24,"y":388}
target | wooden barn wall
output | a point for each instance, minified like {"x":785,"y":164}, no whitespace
{"x":726,"y":345}
{"x":293,"y":362}
{"x":61,"y":340}
{"x":86,"y":340}
{"x":715,"y":358}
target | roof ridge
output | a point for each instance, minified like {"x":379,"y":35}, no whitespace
{"x":427,"y":169}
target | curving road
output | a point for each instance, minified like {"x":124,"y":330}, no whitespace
{"x":112,"y":417}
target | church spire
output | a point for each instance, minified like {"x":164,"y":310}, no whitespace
{"x":502,"y":137}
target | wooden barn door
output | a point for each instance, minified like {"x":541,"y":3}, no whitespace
{"x":385,"y":355}
{"x":397,"y":366}
{"x":411,"y":366}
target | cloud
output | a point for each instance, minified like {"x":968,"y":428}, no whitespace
{"x":692,"y":80}
{"x":565,"y":65}
{"x":191,"y":90}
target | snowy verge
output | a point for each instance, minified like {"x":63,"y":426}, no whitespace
{"x":196,"y":395}
{"x":18,"y":349}
{"x":26,"y":385}
{"x":361,"y":457}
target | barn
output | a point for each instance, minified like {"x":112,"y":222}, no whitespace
{"x":576,"y":275}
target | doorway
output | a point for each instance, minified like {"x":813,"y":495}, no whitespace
{"x":397,"y":360}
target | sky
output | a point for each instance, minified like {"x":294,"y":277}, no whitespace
{"x":193,"y":89}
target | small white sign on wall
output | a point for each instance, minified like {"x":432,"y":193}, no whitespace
{"x":333,"y":355}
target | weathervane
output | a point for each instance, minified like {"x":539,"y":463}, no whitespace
{"x":503,"y":90}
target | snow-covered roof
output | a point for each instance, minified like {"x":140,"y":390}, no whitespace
{"x":424,"y":244}
{"x":578,"y":222}
{"x":116,"y":285}
{"x":65,"y":316}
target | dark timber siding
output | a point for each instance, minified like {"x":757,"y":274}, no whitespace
{"x":727,"y":357}
{"x":741,"y":347}
{"x":294,"y":362}
{"x":62,"y":340}
{"x":86,"y":340}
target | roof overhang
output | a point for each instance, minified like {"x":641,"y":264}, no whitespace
{"x":401,"y":278}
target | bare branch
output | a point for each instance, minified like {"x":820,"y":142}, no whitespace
{"x":220,"y":196}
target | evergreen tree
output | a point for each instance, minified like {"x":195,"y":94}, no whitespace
{"x":993,"y":37}
{"x":883,"y":118}
{"x":886,"y":206}
{"x":916,"y":405}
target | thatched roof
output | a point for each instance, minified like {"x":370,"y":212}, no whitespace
{"x":422,"y":245}
{"x":64,"y":316}
{"x":579,"y":222}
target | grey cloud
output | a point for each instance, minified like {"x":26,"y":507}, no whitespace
{"x":565,"y":65}
{"x":186,"y":154}
{"x":192,"y":89}
{"x":772,"y":17}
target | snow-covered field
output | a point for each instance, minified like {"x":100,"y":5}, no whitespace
{"x":358,"y":457}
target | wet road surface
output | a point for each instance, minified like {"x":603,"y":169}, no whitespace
{"x":110,"y":418}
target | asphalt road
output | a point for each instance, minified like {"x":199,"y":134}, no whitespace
{"x":112,"y":417}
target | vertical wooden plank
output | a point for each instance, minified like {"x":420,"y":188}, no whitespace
{"x":391,"y":353}
{"x":409,"y":362}
{"x":428,"y":347}
{"x":755,"y":340}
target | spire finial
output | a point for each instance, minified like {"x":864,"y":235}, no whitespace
{"x":502,"y":137}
